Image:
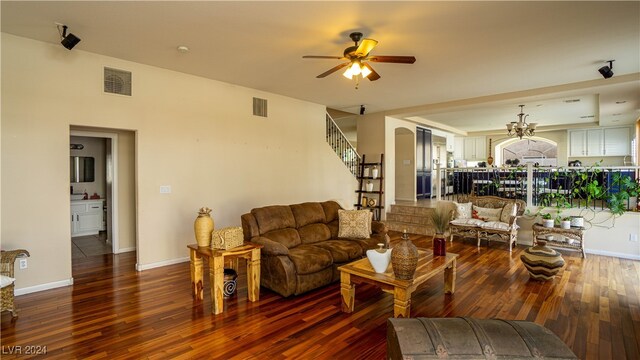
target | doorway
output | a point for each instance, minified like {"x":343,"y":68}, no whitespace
{"x":113,"y":188}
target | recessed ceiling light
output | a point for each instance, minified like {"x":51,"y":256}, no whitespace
{"x":183,"y":49}
{"x":621,"y":102}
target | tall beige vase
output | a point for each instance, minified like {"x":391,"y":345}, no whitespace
{"x":203,"y":226}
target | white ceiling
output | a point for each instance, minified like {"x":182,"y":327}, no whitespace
{"x":476,"y":61}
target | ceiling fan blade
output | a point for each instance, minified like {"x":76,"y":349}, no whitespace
{"x":374,"y":75}
{"x":332,"y":70}
{"x":365,"y":47}
{"x":393,"y":59}
{"x":322,"y":57}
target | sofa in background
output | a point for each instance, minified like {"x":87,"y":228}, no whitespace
{"x":485,"y":217}
{"x":301,"y":248}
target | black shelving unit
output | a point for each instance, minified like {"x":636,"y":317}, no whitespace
{"x":375,"y":198}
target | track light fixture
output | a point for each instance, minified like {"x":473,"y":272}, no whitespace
{"x":606,"y":71}
{"x":67,"y":40}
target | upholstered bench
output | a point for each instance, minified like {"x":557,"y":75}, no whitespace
{"x":467,"y":338}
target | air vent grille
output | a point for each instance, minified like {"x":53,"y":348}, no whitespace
{"x":260,"y":107}
{"x":117,"y":81}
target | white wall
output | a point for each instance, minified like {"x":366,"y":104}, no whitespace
{"x":194,"y":134}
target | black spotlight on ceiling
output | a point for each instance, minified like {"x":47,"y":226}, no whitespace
{"x":362,"y":109}
{"x":68,"y":40}
{"x":606,"y":71}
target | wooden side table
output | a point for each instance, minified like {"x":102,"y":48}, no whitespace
{"x":216,"y":259}
{"x":557,"y":237}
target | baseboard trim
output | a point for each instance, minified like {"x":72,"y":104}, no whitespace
{"x":43,"y":287}
{"x":124,"y":250}
{"x":142,"y":267}
{"x":612,"y":254}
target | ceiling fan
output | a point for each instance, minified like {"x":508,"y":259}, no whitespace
{"x":357,"y":56}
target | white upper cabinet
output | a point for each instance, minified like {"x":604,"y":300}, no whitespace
{"x":475,"y":148}
{"x":599,"y":142}
{"x":617,"y":142}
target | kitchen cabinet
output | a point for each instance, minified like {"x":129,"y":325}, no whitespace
{"x":87,"y":217}
{"x":458,"y":147}
{"x":475,"y":148}
{"x":599,"y":142}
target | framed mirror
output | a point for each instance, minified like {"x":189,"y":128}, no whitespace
{"x":82,"y":169}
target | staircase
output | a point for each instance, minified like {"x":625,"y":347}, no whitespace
{"x":341,"y":146}
{"x":414,"y":219}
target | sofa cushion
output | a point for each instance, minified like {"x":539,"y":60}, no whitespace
{"x":495,"y":225}
{"x":274,"y":217}
{"x":355,"y":224}
{"x":330,"y":210}
{"x":488,"y":214}
{"x":334,"y":227}
{"x":467,"y":222}
{"x":342,"y":250}
{"x":307,"y":213}
{"x":463,"y":210}
{"x":508,"y":211}
{"x":309,"y":258}
{"x":286,"y":237}
{"x":6,"y":280}
{"x":313,"y":233}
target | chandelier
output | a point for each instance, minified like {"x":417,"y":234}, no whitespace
{"x":520,"y":128}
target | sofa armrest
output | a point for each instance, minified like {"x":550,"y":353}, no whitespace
{"x":378,"y":227}
{"x":270,"y":247}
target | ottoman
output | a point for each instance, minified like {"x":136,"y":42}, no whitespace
{"x":467,"y":338}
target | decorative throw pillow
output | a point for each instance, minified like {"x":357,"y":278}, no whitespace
{"x":463,"y":211}
{"x":6,"y":280}
{"x":354,"y":224}
{"x":488,"y":214}
{"x":508,"y":211}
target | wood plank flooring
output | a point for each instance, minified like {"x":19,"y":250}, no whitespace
{"x":114,"y":312}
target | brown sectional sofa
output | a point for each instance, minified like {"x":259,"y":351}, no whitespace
{"x":301,"y":249}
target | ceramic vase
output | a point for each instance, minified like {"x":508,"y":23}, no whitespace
{"x":203,"y":226}
{"x":369,"y":186}
{"x":565,"y":224}
{"x":230,"y":283}
{"x":542,"y":262}
{"x":439,"y":245}
{"x":374,"y":172}
{"x":404,"y":258}
{"x":490,"y":160}
{"x":548,"y":223}
{"x":379,"y":258}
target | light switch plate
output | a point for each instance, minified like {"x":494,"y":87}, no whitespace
{"x":165,"y":189}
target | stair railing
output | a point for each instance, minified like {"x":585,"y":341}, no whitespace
{"x":341,"y":146}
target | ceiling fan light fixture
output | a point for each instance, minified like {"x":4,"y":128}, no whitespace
{"x":356,"y":68}
{"x":365,"y":71}
{"x":348,"y":74}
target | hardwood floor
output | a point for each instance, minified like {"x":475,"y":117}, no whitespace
{"x":114,"y":312}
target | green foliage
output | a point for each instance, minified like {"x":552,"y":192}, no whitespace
{"x":440,"y":220}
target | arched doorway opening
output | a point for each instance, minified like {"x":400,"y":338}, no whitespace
{"x":534,"y":150}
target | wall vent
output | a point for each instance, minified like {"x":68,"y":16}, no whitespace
{"x":117,"y":81}
{"x":260,"y":107}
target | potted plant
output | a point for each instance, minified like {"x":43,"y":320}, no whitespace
{"x":440,"y":219}
{"x":565,"y":223}
{"x":547,"y":220}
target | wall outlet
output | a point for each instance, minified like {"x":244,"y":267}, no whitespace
{"x":165,"y":189}
{"x":23,"y":264}
{"x":633,"y":237}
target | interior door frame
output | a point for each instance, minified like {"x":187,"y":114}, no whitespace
{"x":111,"y":172}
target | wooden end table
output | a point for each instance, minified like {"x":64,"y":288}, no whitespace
{"x":556,"y":236}
{"x":361,"y":271}
{"x":216,"y":259}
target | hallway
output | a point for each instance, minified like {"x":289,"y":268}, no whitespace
{"x":90,"y":245}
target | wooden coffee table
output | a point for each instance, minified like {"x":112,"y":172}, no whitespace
{"x":361,"y":271}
